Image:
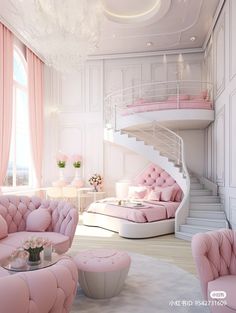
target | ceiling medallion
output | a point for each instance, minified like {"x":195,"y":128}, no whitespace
{"x":133,"y":11}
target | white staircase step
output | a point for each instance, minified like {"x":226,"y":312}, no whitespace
{"x":200,"y":192}
{"x":184,"y":236}
{"x":196,"y":186}
{"x":206,"y":206}
{"x":207,"y":222}
{"x":194,"y":179}
{"x":205,"y":199}
{"x":216,"y":215}
{"x":192,"y":229}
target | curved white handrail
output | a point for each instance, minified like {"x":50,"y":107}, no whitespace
{"x":176,"y":82}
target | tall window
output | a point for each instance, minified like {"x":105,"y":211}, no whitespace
{"x":19,"y":167}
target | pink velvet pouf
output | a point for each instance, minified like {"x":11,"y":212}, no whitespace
{"x":102,"y":273}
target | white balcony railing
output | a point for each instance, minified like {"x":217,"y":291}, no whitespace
{"x":169,"y":94}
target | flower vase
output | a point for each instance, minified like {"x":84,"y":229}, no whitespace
{"x":34,"y":258}
{"x":77,"y":181}
{"x":77,"y":174}
{"x":61,"y":173}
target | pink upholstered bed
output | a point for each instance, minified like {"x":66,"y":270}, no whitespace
{"x":150,"y":213}
{"x":142,"y":212}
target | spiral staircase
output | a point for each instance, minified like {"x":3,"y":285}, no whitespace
{"x":200,"y":209}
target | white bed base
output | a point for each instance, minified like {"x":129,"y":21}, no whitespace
{"x":129,"y":229}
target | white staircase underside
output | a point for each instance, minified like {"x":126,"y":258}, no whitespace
{"x":173,"y":119}
{"x":148,"y":151}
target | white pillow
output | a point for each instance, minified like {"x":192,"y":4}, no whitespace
{"x":137,"y":192}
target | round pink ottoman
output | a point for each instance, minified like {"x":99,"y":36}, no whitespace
{"x":102,"y":272}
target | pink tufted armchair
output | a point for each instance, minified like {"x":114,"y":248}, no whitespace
{"x":63,"y":219}
{"x":215,"y":258}
{"x":49,"y":290}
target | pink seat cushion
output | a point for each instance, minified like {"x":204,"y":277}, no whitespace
{"x":3,"y":272}
{"x":3,"y":228}
{"x":102,"y":260}
{"x":61,"y":243}
{"x":5,"y":251}
{"x":38,"y":220}
{"x":225,"y":283}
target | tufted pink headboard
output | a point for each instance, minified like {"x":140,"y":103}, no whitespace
{"x":154,"y":176}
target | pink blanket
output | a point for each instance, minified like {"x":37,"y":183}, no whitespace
{"x":147,"y":212}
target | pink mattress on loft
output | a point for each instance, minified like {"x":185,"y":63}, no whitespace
{"x":148,"y":211}
{"x":167,"y":105}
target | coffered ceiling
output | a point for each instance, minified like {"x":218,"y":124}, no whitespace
{"x":124,"y":26}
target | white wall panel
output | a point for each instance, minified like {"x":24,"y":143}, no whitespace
{"x":232,"y":207}
{"x":220,"y":55}
{"x":194,"y":149}
{"x":94,"y":87}
{"x":72,"y":95}
{"x":224,"y":127}
{"x":220,"y":147}
{"x":232,"y":38}
{"x":232,"y":146}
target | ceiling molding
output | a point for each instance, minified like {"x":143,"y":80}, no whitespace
{"x":143,"y":54}
{"x":218,"y":11}
{"x":22,"y":39}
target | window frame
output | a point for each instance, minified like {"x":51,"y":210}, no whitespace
{"x":23,"y":88}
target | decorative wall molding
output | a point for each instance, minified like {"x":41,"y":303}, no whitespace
{"x":220,"y":146}
{"x":146,"y":54}
{"x":94,"y":75}
{"x":73,"y":95}
{"x":232,"y":147}
{"x":220,"y":55}
{"x":232,"y":41}
{"x":232,"y":211}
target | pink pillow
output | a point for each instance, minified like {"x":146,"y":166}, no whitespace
{"x":139,"y":194}
{"x":178,"y":196}
{"x":168,"y":194}
{"x":154,"y":195}
{"x":3,"y":228}
{"x":204,"y":94}
{"x":38,"y":220}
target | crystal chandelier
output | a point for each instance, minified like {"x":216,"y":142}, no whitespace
{"x":63,"y":31}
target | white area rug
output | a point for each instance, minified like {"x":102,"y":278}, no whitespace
{"x":151,"y":287}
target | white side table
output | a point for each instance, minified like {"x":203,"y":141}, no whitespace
{"x":82,"y":195}
{"x":97,"y":195}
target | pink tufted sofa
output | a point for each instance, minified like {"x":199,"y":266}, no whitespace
{"x":49,"y":290}
{"x":215,"y":257}
{"x":15,"y":210}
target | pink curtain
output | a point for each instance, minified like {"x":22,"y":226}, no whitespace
{"x":6,"y":92}
{"x":35,"y":87}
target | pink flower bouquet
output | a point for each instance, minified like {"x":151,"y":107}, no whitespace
{"x":96,"y":181}
{"x":61,"y":160}
{"x":76,"y":160}
{"x":34,"y":246}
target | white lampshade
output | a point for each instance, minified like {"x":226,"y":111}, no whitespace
{"x":122,"y":189}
